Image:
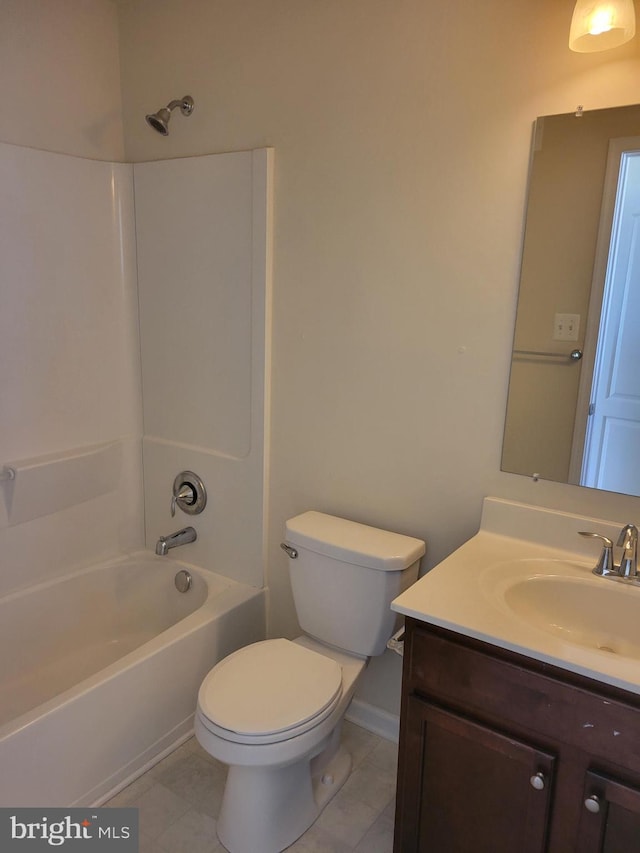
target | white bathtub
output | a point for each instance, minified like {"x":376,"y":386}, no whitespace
{"x":100,"y":670}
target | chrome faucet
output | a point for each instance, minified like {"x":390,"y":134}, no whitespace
{"x":180,"y":537}
{"x":628,"y":566}
{"x":628,"y":541}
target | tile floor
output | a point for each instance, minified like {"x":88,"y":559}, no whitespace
{"x":179,"y":798}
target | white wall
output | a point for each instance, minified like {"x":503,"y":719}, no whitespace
{"x":60,"y":76}
{"x":402,"y":133}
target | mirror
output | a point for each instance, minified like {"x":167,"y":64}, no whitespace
{"x":573,"y":411}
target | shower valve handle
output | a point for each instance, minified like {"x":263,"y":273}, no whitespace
{"x":187,"y":494}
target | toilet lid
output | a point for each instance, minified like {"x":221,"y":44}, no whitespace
{"x":269,"y":687}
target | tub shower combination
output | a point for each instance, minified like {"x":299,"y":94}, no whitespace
{"x":102,"y":669}
{"x":101,"y":662}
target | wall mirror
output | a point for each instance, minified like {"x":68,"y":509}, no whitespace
{"x":573,"y":411}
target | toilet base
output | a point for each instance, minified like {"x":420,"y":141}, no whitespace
{"x":268,"y":808}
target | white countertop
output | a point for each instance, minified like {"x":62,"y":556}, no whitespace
{"x":468,"y":592}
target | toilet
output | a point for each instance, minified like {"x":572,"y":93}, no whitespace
{"x":273,"y":710}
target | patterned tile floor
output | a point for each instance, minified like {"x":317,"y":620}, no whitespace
{"x":179,"y":799}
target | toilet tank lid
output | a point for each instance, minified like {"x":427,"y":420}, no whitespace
{"x":353,"y":542}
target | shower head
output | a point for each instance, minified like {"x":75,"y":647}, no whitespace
{"x":160,"y":121}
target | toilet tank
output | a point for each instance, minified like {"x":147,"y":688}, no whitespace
{"x":345,"y":576}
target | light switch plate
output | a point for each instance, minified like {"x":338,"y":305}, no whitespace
{"x":566,"y":327}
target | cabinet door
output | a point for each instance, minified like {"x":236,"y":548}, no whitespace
{"x":610,"y":818}
{"x":469,"y":788}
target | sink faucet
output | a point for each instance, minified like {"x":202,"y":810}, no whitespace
{"x":180,"y":537}
{"x":628,"y":541}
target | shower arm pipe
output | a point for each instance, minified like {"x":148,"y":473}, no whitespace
{"x":185,"y":104}
{"x":7,"y":473}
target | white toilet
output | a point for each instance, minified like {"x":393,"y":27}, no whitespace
{"x":273,"y":710}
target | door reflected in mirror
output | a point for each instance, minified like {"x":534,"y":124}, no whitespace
{"x":573,"y":412}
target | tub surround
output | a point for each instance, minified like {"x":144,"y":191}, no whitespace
{"x":33,"y":489}
{"x":203,"y":230}
{"x":75,"y":441}
{"x":69,"y":365}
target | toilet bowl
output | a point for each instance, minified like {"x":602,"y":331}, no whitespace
{"x":273,"y":710}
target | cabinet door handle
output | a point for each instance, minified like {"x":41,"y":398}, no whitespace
{"x":592,"y":804}
{"x":538,"y":781}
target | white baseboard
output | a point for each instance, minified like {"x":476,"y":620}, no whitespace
{"x":374,"y":720}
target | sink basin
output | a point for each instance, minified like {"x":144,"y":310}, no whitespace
{"x":599,"y":614}
{"x":524,"y":583}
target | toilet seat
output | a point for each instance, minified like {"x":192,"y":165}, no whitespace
{"x":269,"y":692}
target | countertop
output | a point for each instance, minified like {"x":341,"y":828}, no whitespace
{"x":469,"y":592}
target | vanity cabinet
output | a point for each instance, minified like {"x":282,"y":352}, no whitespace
{"x":500,"y":753}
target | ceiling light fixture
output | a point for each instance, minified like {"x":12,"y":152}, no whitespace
{"x":601,"y":25}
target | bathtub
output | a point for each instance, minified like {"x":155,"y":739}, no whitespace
{"x":100,"y":670}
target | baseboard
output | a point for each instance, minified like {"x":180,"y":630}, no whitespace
{"x":374,"y":720}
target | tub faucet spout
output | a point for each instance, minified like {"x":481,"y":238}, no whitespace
{"x":180,"y":537}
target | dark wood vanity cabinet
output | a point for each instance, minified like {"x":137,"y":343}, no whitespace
{"x":500,"y":753}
